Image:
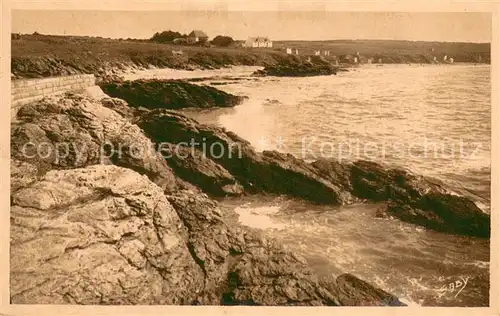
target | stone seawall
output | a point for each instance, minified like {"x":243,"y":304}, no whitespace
{"x":28,"y":90}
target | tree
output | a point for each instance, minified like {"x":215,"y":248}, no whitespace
{"x":222,"y":41}
{"x":166,"y":36}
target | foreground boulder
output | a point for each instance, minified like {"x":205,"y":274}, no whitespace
{"x":71,"y":131}
{"x":98,"y":235}
{"x":170,"y":94}
{"x":270,"y":172}
{"x":412,"y":198}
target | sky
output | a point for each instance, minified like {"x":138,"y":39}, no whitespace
{"x":278,"y":25}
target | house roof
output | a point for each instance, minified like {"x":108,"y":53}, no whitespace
{"x":197,"y":33}
{"x":258,"y":39}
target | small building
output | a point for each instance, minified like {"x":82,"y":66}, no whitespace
{"x":326,"y":53}
{"x":259,"y":42}
{"x":296,"y":52}
{"x":451,"y":60}
{"x":197,"y":36}
{"x":289,"y":51}
{"x":317,"y":52}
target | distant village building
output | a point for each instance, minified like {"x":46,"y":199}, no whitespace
{"x":289,"y":51}
{"x":326,"y":53}
{"x":451,"y":60}
{"x":197,"y":36}
{"x":370,"y":60}
{"x":355,"y":60}
{"x":259,"y":42}
{"x":445,"y":57}
{"x":296,"y":52}
{"x":317,"y":52}
{"x":380,"y":60}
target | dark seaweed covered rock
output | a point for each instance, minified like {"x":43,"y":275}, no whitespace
{"x":192,"y":165}
{"x":412,"y":198}
{"x":270,"y":172}
{"x":296,"y":67}
{"x":169,"y":94}
{"x":353,"y":291}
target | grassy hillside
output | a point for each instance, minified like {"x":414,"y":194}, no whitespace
{"x":396,"y":51}
{"x":46,"y":55}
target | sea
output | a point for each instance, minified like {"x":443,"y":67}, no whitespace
{"x":433,"y":120}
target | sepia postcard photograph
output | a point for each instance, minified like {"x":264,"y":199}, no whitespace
{"x":217,"y":155}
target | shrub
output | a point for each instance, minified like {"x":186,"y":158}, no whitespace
{"x":167,"y":36}
{"x":222,"y":41}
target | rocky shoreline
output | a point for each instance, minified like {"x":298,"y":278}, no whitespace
{"x":128,"y":230}
{"x":296,"y":67}
{"x":38,"y":56}
{"x":169,"y":94}
{"x":118,"y":227}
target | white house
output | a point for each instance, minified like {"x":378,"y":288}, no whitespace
{"x":317,"y":52}
{"x":258,"y":42}
{"x":289,"y":51}
{"x":197,"y":36}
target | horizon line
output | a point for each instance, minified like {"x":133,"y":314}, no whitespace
{"x":275,"y":40}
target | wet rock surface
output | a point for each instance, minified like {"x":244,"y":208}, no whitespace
{"x":412,"y":198}
{"x":296,"y":67}
{"x":270,"y":172}
{"x":169,"y":94}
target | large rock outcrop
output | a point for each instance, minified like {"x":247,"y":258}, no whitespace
{"x":297,"y":67}
{"x":412,"y":198}
{"x":170,"y":94}
{"x":98,"y":235}
{"x":71,"y":131}
{"x":270,"y":172}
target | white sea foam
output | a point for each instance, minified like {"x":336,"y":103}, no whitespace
{"x":259,"y":217}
